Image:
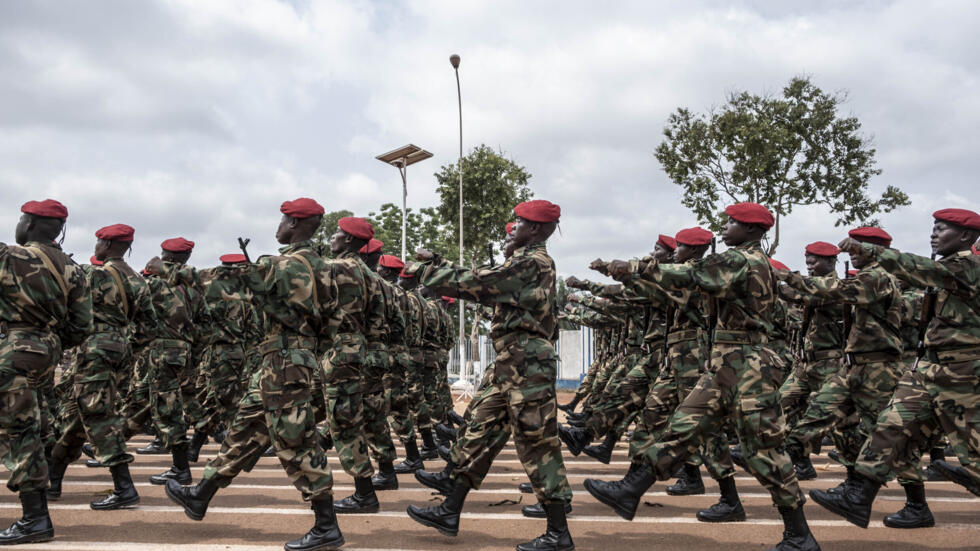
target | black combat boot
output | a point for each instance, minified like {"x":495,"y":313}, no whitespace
{"x":88,"y":450}
{"x":932,"y":475}
{"x":445,"y":516}
{"x":853,"y":501}
{"x":35,"y":524}
{"x":325,"y":533}
{"x":181,"y":470}
{"x":804,"y":469}
{"x":579,"y":421}
{"x":154,"y":447}
{"x":195,"y":499}
{"x":729,"y":507}
{"x":796,"y":532}
{"x":556,"y":536}
{"x":385,"y":478}
{"x":446,"y":433}
{"x":848,"y":478}
{"x":538,"y":510}
{"x":441,"y":481}
{"x":575,"y":438}
{"x":363,"y":500}
{"x":580,"y":416}
{"x":94,"y":464}
{"x":916,"y":513}
{"x":689,"y":483}
{"x":570,"y":406}
{"x":445,"y":454}
{"x":603,"y":452}
{"x":123,"y":493}
{"x":455,"y":418}
{"x":525,"y":488}
{"x":623,"y":495}
{"x":194,"y":449}
{"x":413,"y":461}
{"x":957,"y":474}
{"x":429,"y":448}
{"x":56,"y":472}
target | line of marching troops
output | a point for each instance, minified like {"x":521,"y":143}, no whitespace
{"x":696,"y":349}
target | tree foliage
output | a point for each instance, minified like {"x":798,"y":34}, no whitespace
{"x":492,"y":185}
{"x":781,"y":152}
{"x":423,"y":229}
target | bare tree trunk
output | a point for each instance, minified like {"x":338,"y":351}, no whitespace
{"x":775,"y":238}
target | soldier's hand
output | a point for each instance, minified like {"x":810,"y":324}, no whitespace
{"x":423,"y":255}
{"x":575,"y":283}
{"x":154,"y":266}
{"x":618,"y":269}
{"x":599,"y":265}
{"x":850,"y":245}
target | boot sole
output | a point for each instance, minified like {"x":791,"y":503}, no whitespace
{"x":695,"y":492}
{"x":733,"y":518}
{"x":856,"y":521}
{"x":955,"y":478}
{"x":329,"y":546}
{"x":117,"y":505}
{"x":163,"y":482}
{"x":358,"y":511}
{"x":40,"y":537}
{"x":616,"y":506}
{"x":176,"y":499}
{"x":600,"y":458}
{"x":430,"y":524}
{"x":385,"y":487}
{"x":929,"y":524}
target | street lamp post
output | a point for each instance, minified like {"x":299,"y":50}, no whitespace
{"x":401,"y":158}
{"x":467,"y":391}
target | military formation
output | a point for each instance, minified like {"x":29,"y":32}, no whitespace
{"x":722,"y":359}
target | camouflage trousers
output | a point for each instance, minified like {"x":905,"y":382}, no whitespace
{"x":585,"y":386}
{"x":626,"y":396}
{"x":136,"y":408}
{"x":939,"y":397}
{"x":377,"y":431}
{"x":223,"y":365}
{"x":863,"y":388}
{"x":192,"y":390}
{"x":343,"y":381}
{"x":421,"y":411}
{"x":168,"y":358}
{"x":26,"y":355}
{"x":445,"y":390}
{"x":435,"y":388}
{"x":398,"y":393}
{"x":804,"y":381}
{"x":521,"y":394}
{"x":743,"y":387}
{"x":480,"y":440}
{"x":276,"y":410}
{"x":92,"y":409}
{"x":607,"y":373}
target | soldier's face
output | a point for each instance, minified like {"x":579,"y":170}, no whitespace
{"x":284,"y":231}
{"x":734,"y":233}
{"x":522,"y":234}
{"x":948,"y":239}
{"x":508,"y":248}
{"x":102,"y":249}
{"x":20,"y":233}
{"x":820,"y":265}
{"x":662,"y":254}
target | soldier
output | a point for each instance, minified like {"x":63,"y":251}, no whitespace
{"x":45,"y":305}
{"x":873,"y":350}
{"x":740,"y":383}
{"x":414,"y":319}
{"x":119,"y":297}
{"x":298,"y":298}
{"x":523,"y":293}
{"x":940,"y":393}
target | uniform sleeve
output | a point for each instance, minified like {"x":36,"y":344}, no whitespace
{"x":488,"y":286}
{"x":955,"y":276}
{"x":78,"y":324}
{"x":862,"y":289}
{"x":718,"y":275}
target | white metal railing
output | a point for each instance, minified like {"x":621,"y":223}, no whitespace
{"x":575,"y":352}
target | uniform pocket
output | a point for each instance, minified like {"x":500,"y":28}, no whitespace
{"x":286,"y":380}
{"x":763,"y":424}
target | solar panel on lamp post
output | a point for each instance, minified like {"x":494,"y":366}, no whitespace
{"x":401,"y":158}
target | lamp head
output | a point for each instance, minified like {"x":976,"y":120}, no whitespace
{"x":454,"y":59}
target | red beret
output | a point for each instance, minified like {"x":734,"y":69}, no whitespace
{"x":822,"y":248}
{"x":403,"y":275}
{"x":303,"y":207}
{"x":358,"y":227}
{"x":391,"y":261}
{"x":372,"y":246}
{"x":667,"y":241}
{"x":95,"y":261}
{"x":450,"y":300}
{"x":177,"y":245}
{"x":778,"y":265}
{"x":48,"y":208}
{"x":871,"y":234}
{"x":694,"y":236}
{"x":509,"y":228}
{"x":751,"y":213}
{"x":960,"y":217}
{"x":852,"y":272}
{"x":975,"y":249}
{"x":116,"y":232}
{"x":538,"y":210}
{"x":234,"y":258}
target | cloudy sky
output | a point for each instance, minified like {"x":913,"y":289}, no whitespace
{"x":183,"y":117}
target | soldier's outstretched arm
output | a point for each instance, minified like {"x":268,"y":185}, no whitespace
{"x":488,"y":286}
{"x":920,"y":271}
{"x":863,"y":288}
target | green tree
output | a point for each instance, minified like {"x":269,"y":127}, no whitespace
{"x":781,"y":152}
{"x":492,"y":185}
{"x":423,"y":229}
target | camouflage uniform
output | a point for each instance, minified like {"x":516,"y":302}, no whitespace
{"x":409,"y":357}
{"x":425,"y":417}
{"x":523,"y":326}
{"x":940,"y":395}
{"x":296,"y":299}
{"x":377,"y":365}
{"x":743,"y":376}
{"x":99,"y":363}
{"x":41,"y":310}
{"x":447,"y":340}
{"x":873,"y":348}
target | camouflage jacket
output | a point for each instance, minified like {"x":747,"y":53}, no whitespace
{"x":31,"y":295}
{"x":360,"y":309}
{"x":432,"y":333}
{"x":740,"y":278}
{"x":957,"y":278}
{"x":823,"y":320}
{"x":414,"y":320}
{"x":178,"y":305}
{"x":522,"y":290}
{"x":229,"y":301}
{"x":635,"y":327}
{"x":447,"y":330}
{"x":117,"y":307}
{"x":911,"y":312}
{"x":396,"y":305}
{"x":685,"y":308}
{"x":377,"y":330}
{"x":877,"y":304}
